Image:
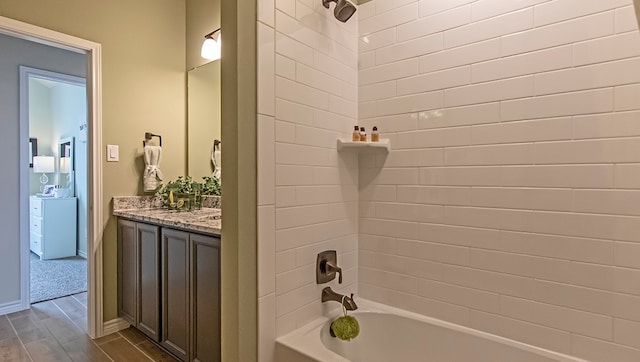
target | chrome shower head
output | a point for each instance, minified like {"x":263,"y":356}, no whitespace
{"x":343,"y":10}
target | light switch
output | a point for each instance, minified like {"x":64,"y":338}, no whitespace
{"x":113,"y":153}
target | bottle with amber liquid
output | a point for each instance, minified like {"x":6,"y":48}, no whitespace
{"x":375,"y":137}
{"x":356,"y":134}
{"x":363,"y":135}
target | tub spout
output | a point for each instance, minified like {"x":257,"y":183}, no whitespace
{"x":329,"y":295}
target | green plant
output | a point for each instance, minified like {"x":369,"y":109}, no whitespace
{"x":184,"y":185}
{"x":211,"y":186}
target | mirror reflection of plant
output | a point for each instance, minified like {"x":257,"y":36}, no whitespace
{"x":211,"y":186}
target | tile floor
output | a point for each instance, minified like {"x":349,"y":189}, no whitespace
{"x":55,"y":331}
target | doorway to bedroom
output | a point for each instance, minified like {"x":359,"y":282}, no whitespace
{"x":56,"y":107}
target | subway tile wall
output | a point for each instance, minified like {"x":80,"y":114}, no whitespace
{"x":510,"y":201}
{"x":307,"y":192}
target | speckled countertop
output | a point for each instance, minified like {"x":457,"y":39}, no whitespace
{"x":205,"y":221}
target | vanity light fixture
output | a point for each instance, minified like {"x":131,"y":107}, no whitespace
{"x":211,"y":47}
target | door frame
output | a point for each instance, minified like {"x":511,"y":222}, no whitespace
{"x":95,"y":220}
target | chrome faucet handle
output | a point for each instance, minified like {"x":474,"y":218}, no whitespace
{"x":335,"y":269}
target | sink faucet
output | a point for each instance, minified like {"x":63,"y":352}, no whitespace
{"x":329,"y":295}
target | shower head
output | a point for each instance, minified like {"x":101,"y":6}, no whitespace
{"x":343,"y":10}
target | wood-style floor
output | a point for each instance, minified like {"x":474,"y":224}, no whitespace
{"x":55,"y":331}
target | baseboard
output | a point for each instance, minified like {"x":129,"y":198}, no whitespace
{"x":114,"y":325}
{"x":11,"y":307}
{"x":82,"y":254}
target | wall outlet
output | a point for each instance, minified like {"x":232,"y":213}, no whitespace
{"x":113,"y":153}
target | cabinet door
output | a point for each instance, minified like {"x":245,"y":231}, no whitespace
{"x":127,"y":271}
{"x":175,"y":292}
{"x":205,"y":298}
{"x":148,"y":241}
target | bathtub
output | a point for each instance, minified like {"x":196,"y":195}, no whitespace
{"x":388,"y":334}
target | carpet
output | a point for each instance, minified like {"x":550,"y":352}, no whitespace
{"x":57,"y":278}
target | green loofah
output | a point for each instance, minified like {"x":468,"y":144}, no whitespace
{"x":346,"y":328}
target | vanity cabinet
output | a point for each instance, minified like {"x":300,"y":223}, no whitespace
{"x":139,"y":276}
{"x":186,"y":267}
{"x":52,"y":229}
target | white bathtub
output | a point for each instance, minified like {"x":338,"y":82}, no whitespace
{"x":388,"y":334}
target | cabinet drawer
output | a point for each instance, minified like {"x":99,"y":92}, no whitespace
{"x":35,"y":243}
{"x":35,"y":206}
{"x":35,"y":224}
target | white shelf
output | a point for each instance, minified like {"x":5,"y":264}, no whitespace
{"x":383,"y":144}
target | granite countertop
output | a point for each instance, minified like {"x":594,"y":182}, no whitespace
{"x":206,"y":220}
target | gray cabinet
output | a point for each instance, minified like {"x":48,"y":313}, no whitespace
{"x":191,"y":295}
{"x":169,"y":288}
{"x":205,"y":298}
{"x":175,"y":292}
{"x":139,"y":276}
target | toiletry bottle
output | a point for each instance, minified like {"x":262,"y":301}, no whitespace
{"x":363,"y":135}
{"x":356,"y":134}
{"x":374,"y":135}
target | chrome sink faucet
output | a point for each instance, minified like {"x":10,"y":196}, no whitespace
{"x":329,"y":295}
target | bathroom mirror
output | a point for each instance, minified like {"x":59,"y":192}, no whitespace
{"x":203,"y":126}
{"x":66,"y":164}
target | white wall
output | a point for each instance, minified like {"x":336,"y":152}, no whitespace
{"x":307,"y":87}
{"x":509,"y":201}
{"x":15,"y":53}
{"x":40,"y":128}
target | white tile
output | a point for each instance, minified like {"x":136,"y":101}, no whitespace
{"x":383,"y":6}
{"x":460,"y":116}
{"x":608,"y":48}
{"x":316,"y":79}
{"x":571,"y":31}
{"x":435,"y":80}
{"x":266,"y":160}
{"x":404,"y":104}
{"x":266,"y":70}
{"x":266,"y":250}
{"x":266,"y":12}
{"x":598,"y":350}
{"x":409,"y":49}
{"x":299,"y":93}
{"x":627,"y":97}
{"x":626,"y":19}
{"x":588,"y":77}
{"x":528,"y":63}
{"x":366,"y":10}
{"x":377,"y":91}
{"x":567,"y":104}
{"x":619,"y":124}
{"x":483,"y":9}
{"x":428,"y":7}
{"x":377,"y":40}
{"x":287,"y":6}
{"x":435,"y":138}
{"x":293,"y":49}
{"x":389,"y":124}
{"x":434,"y":23}
{"x":388,"y":72}
{"x":288,"y":175}
{"x":490,"y":28}
{"x":455,"y":57}
{"x":556,"y":11}
{"x":490,"y":91}
{"x":525,"y":131}
{"x":389,"y":19}
{"x":489,"y":155}
{"x":267,"y":328}
{"x":293,"y":112}
{"x":285,"y":67}
{"x":623,"y":150}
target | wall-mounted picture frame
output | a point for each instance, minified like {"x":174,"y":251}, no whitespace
{"x":33,"y":150}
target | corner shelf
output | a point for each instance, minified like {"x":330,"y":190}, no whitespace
{"x":383,"y":144}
